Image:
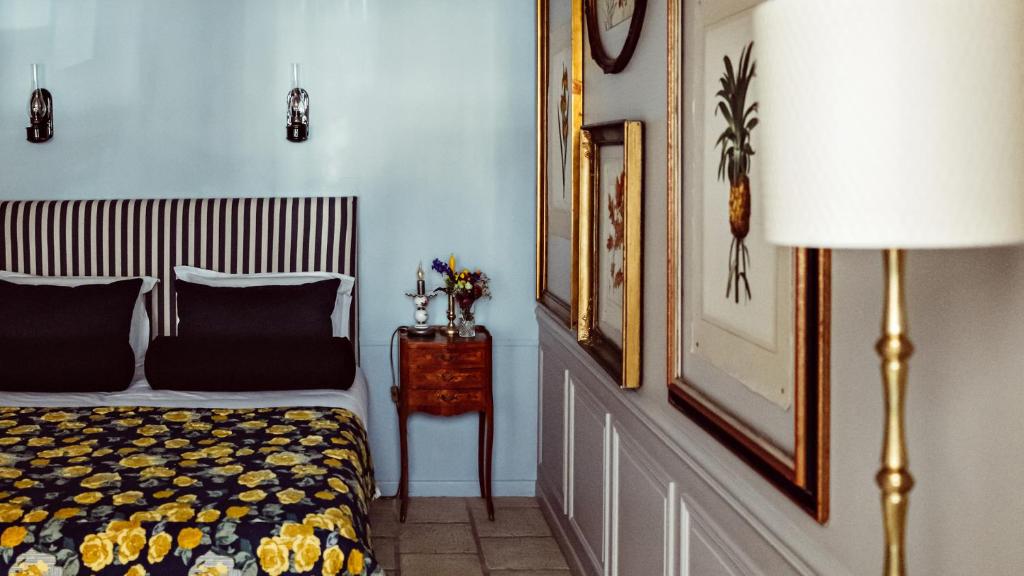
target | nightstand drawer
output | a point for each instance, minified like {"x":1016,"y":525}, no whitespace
{"x":449,"y":377}
{"x":446,"y":400}
{"x":434,"y":356}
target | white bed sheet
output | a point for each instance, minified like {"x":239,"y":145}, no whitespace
{"x":355,"y":398}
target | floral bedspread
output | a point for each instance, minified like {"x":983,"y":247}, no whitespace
{"x":166,"y":491}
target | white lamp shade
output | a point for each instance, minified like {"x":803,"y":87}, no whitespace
{"x":891,"y":123}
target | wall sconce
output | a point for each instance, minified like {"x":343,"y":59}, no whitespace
{"x":298,"y":110}
{"x":40,"y":111}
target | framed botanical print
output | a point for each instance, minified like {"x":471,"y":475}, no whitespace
{"x":610,"y":247}
{"x":559,"y":116}
{"x":749,"y":322}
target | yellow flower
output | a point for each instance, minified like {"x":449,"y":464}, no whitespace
{"x":24,"y":483}
{"x":13,"y":536}
{"x":279,"y":441}
{"x":273,"y":555}
{"x":326,"y":495}
{"x":9,"y":473}
{"x":152,"y":429}
{"x":159,"y":546}
{"x":130,"y":543}
{"x":183,"y":481}
{"x":281,"y":429}
{"x":189,"y":538}
{"x":102,"y":452}
{"x":65,"y":513}
{"x":451,"y":263}
{"x":303,"y":470}
{"x":285,"y":459}
{"x":338,"y":484}
{"x":139,"y":461}
{"x":236,"y":512}
{"x":252,"y":495}
{"x":156,"y":472}
{"x":178,"y":416}
{"x":39,"y":462}
{"x":334,"y":561}
{"x":307,"y":552}
{"x":9,"y":440}
{"x":301,"y":415}
{"x":355,"y":562}
{"x":180,"y":514}
{"x":312,"y":440}
{"x":228,"y":470}
{"x":86,"y":498}
{"x":130,"y":497}
{"x":144,"y":442}
{"x":291,"y":530}
{"x":221,"y":433}
{"x":40,"y":441}
{"x":175,"y":443}
{"x":253,"y":479}
{"x":97,"y":552}
{"x":101,"y":479}
{"x":116,"y":527}
{"x":207,"y":516}
{"x":290,"y":496}
{"x":318,"y":521}
{"x":9,"y":512}
{"x":35,"y":516}
{"x":148,"y":516}
{"x":136,"y":570}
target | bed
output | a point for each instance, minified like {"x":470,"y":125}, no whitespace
{"x":168,"y":482}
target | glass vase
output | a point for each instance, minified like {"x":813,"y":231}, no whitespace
{"x":467,"y":323}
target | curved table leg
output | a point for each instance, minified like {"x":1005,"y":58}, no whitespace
{"x":403,"y":484}
{"x":490,"y":458}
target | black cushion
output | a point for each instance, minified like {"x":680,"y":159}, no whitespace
{"x":298,"y":311}
{"x":249,"y":364}
{"x":93,"y":311}
{"x":68,"y":365}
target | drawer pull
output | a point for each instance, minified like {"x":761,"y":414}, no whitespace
{"x":446,"y":397}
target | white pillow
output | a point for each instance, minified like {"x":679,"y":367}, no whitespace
{"x":139,"y":336}
{"x":342,"y":305}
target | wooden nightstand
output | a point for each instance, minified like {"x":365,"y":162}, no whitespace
{"x":447,"y":376}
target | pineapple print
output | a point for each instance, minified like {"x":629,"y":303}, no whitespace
{"x":734,"y":163}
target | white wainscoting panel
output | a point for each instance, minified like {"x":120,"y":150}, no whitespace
{"x":553,"y":419}
{"x":643,"y":513}
{"x":637,"y":501}
{"x":588,"y":474}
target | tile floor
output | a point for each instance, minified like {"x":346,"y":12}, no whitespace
{"x":453,"y":537}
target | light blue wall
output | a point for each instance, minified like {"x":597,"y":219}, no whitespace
{"x":424,"y":109}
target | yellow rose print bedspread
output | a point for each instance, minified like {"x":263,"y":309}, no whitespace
{"x":198,"y":492}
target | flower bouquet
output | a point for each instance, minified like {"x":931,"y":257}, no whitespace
{"x":463,"y":288}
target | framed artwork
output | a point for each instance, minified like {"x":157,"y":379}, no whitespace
{"x":559,"y":117}
{"x":613,"y":29}
{"x":610,"y":247}
{"x":749,"y":322}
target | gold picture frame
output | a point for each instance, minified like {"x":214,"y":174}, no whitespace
{"x":560,"y":220}
{"x":801,"y":469}
{"x":611,"y":248}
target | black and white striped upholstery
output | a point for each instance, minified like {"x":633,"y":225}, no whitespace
{"x":150,"y":237}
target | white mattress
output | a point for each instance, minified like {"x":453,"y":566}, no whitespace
{"x":355,"y":398}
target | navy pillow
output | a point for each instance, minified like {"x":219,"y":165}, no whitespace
{"x":295,"y":311}
{"x":247,"y":364}
{"x":92,"y":311}
{"x":79,"y":365}
{"x":67,"y":338}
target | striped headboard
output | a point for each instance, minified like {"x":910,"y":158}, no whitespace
{"x":150,"y":237}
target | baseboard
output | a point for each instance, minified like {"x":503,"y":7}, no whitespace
{"x":559,"y":527}
{"x":461,"y":489}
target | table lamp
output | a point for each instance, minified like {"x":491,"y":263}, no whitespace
{"x":891,"y":125}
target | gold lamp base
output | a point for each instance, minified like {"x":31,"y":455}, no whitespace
{"x":894,"y":478}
